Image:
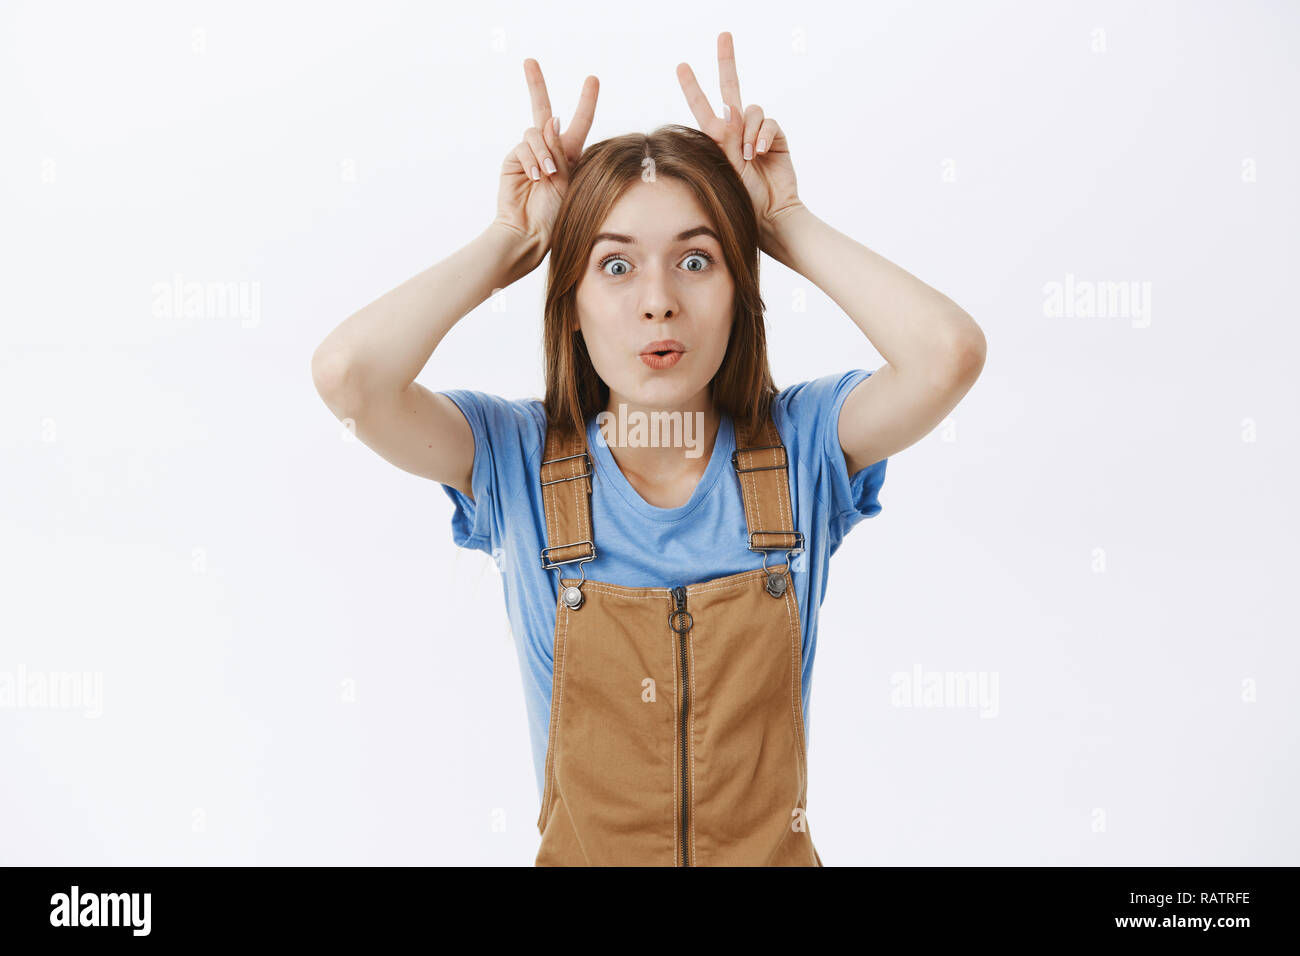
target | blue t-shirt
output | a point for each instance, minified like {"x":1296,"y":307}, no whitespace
{"x":640,"y":545}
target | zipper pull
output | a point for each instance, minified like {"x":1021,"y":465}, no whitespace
{"x":676,"y":618}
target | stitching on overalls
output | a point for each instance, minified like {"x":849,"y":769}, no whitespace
{"x":753,"y":493}
{"x":758,"y":498}
{"x":614,"y":589}
{"x":555,"y":722}
{"x":677,"y":804}
{"x":745,"y":485}
{"x":783,"y":487}
{"x":744,"y":496}
{"x":573,"y":825}
{"x":749,"y":577}
{"x":701,"y":588}
{"x":795,"y":682}
{"x":796,"y":634}
{"x":770,"y":436}
{"x":657,"y":594}
{"x":691,"y":645}
{"x":796,"y":675}
{"x":577,"y":501}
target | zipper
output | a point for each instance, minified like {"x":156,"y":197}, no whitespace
{"x":681,"y":622}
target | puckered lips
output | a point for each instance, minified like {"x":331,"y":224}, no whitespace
{"x":662,"y":354}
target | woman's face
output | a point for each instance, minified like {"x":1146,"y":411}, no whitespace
{"x":658,"y":279}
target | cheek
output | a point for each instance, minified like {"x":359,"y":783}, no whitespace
{"x":596,"y":325}
{"x":719,"y":292}
{"x":722,"y":302}
{"x":601,"y":303}
{"x":593,"y":300}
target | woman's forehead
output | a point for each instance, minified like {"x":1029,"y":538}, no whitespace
{"x":664,"y":203}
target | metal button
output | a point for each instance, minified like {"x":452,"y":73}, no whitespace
{"x":776,"y":584}
{"x":572,"y":597}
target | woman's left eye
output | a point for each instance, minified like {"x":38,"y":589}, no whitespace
{"x":698,"y":254}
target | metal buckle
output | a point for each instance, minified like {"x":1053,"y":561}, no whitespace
{"x":570,"y":477}
{"x":789,"y":551}
{"x":794,"y":550}
{"x":557,"y":547}
{"x":740,"y":471}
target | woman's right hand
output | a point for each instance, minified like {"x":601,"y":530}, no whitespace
{"x":535,"y":174}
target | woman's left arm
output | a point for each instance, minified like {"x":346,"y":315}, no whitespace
{"x":933,"y":350}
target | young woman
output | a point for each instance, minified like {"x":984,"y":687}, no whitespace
{"x":664,"y":518}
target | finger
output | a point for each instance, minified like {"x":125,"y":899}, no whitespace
{"x":770,"y":136}
{"x":524,"y":153}
{"x":727,"y":77}
{"x":573,"y":137}
{"x":753,"y":121}
{"x":765,"y":136}
{"x":537,"y":92}
{"x":697,"y":101}
{"x":553,"y":142}
{"x":545,"y":161}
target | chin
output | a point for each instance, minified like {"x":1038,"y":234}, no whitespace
{"x":664,"y":393}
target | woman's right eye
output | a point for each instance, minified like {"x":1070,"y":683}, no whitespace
{"x":612,"y":259}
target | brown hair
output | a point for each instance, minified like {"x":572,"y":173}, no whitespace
{"x":743,"y":386}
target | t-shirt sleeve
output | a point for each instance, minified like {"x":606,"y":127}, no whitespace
{"x":507,"y":436}
{"x":843,"y":499}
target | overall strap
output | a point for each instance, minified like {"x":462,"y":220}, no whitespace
{"x":566,"y":498}
{"x":762,"y":467}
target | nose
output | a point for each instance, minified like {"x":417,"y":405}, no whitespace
{"x":659,"y":298}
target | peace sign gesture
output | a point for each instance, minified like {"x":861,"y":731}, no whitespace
{"x":755,"y":144}
{"x":535,"y":173}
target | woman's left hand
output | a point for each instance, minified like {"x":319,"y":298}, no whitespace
{"x":754,"y":143}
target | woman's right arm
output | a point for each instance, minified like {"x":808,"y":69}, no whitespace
{"x":365,"y":369}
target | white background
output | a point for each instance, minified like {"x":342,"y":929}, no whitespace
{"x":1107,"y":523}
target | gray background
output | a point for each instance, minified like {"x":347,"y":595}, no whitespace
{"x":298,"y":665}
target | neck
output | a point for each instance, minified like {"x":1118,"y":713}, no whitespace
{"x":661,"y":443}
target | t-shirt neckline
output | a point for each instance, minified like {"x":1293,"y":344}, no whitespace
{"x":607,"y":467}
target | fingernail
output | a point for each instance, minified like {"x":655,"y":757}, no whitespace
{"x":762,"y":145}
{"x":726,"y":112}
{"x":549,"y":164}
{"x":533,"y":172}
{"x":555,"y":123}
{"x":749,"y":151}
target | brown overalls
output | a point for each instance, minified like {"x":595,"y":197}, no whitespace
{"x":676,"y":730}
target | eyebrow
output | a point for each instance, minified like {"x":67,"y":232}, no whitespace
{"x":680,"y":237}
